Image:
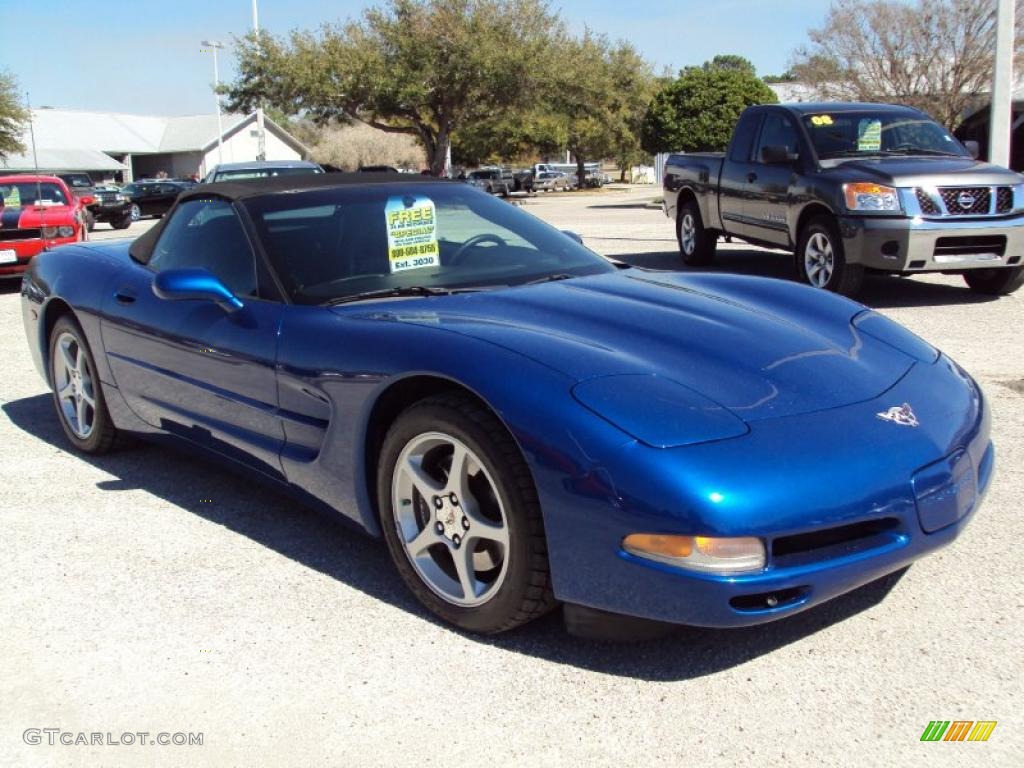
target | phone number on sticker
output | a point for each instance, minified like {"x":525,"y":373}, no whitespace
{"x":413,"y":250}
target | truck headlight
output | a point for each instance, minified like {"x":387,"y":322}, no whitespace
{"x":699,"y":553}
{"x":864,"y":196}
{"x":66,"y":231}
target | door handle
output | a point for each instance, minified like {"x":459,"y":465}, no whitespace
{"x":124,"y":296}
{"x":751,"y":177}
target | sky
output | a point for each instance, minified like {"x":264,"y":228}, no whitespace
{"x":144,"y":57}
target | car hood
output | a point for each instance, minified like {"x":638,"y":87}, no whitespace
{"x":924,"y":172}
{"x":760,"y":348}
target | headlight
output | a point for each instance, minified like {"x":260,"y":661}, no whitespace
{"x":699,"y":553}
{"x":49,"y":232}
{"x":871,"y":197}
{"x":66,"y":231}
{"x":119,"y":198}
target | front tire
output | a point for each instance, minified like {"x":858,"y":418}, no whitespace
{"x":122,"y":223}
{"x":77,"y":392}
{"x":89,"y":220}
{"x":821,"y":261}
{"x":461,"y":517}
{"x":997,"y":281}
{"x":697,"y":245}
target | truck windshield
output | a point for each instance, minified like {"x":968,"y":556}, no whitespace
{"x":858,"y":134}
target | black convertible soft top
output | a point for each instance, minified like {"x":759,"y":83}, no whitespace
{"x":142,"y":248}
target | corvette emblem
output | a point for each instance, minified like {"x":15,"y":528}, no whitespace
{"x":900,"y":414}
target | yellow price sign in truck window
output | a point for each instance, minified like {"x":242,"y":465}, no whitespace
{"x":412,"y":233}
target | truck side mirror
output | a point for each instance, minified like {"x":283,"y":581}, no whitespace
{"x":776,"y":154}
{"x":973,"y":148}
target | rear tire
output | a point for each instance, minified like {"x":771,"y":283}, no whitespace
{"x":997,"y":281}
{"x":470,"y":546}
{"x":821,"y":260}
{"x":77,"y":391}
{"x":697,"y":245}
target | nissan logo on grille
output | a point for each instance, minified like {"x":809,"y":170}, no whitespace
{"x":966,"y":200}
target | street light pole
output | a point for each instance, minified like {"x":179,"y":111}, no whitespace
{"x":215,"y":46}
{"x":261,"y":130}
{"x":1002,"y":87}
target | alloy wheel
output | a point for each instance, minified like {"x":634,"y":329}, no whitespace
{"x":688,"y":234}
{"x":819,"y":260}
{"x":450,"y":519}
{"x":75,"y":385}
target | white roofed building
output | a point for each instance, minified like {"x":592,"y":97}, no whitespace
{"x":109,"y":144}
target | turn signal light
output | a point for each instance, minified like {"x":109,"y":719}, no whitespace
{"x":699,"y":553}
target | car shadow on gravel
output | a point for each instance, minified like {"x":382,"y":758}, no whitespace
{"x":307,"y":537}
{"x":880,"y":291}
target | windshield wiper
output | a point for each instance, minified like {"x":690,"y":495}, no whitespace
{"x":550,"y":278}
{"x":887,"y":153}
{"x":384,"y":293}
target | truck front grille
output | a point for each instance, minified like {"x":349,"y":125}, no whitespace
{"x":928,"y":206}
{"x":964,"y":201}
{"x":19,"y":234}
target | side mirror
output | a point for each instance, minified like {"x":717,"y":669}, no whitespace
{"x":196,"y":284}
{"x":574,"y":235}
{"x":973,"y":147}
{"x":773,"y":154}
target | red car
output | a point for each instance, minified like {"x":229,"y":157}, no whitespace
{"x":36,"y":213}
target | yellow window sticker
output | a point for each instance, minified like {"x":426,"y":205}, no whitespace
{"x":821,"y":120}
{"x":869,"y":135}
{"x":12,"y":197}
{"x":412,"y":233}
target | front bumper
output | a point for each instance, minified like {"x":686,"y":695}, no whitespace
{"x":793,"y":484}
{"x":919,"y":244}
{"x":110,"y":212}
{"x":24,"y":250}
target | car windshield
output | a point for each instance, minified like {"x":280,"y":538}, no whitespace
{"x":261,"y":173}
{"x":77,"y":180}
{"x":14,"y":195}
{"x":865,"y":133}
{"x":335,"y":244}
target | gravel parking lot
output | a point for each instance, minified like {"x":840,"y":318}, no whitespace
{"x":147,"y":591}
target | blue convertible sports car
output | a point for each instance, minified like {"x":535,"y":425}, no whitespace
{"x":523,"y":422}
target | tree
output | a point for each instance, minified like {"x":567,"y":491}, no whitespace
{"x":697,"y":111}
{"x":598,"y":95}
{"x":13,"y":116}
{"x":421,"y":67}
{"x":935,"y":55}
{"x":731,"y":62}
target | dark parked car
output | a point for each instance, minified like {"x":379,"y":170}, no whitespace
{"x":152,"y":198}
{"x":111,"y":205}
{"x":260,"y":169}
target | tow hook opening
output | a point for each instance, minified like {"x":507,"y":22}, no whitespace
{"x":770,"y":601}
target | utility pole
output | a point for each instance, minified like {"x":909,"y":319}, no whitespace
{"x":215,"y":45}
{"x":261,"y":130}
{"x":1002,"y":87}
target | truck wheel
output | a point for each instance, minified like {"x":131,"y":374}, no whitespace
{"x":998,"y":281}
{"x":90,"y":220}
{"x":123,"y":222}
{"x":696,"y":244}
{"x":821,"y":260}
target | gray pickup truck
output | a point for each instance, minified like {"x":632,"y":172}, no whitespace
{"x":849,"y":188}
